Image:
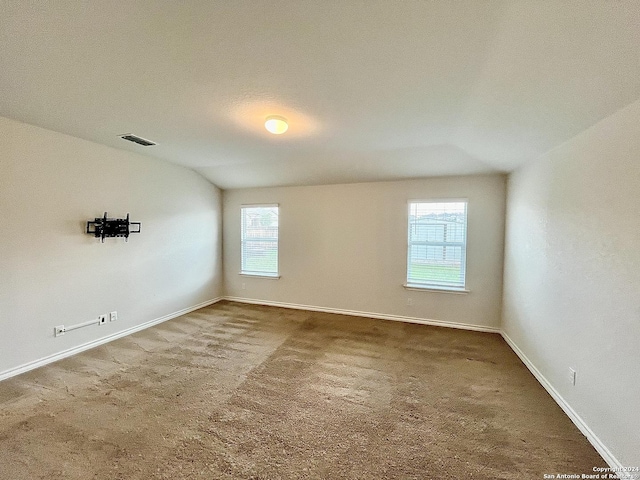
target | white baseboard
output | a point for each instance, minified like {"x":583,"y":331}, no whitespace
{"x":94,"y":343}
{"x":602,"y":449}
{"x":355,"y":313}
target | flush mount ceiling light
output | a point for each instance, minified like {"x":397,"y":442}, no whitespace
{"x":276,"y":125}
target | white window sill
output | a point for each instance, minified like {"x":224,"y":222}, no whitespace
{"x":458,"y":291}
{"x":271,"y":276}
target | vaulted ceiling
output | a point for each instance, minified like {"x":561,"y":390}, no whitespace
{"x":373,"y":90}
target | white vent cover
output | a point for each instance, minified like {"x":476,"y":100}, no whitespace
{"x":136,"y":139}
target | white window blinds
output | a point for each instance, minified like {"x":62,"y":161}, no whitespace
{"x":259,"y":240}
{"x":437,"y":244}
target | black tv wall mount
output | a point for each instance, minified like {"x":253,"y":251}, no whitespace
{"x":112,"y":227}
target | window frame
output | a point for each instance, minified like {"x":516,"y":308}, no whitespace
{"x":435,"y":287}
{"x":251,"y":273}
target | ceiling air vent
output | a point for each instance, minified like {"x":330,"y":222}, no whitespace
{"x":139,"y":140}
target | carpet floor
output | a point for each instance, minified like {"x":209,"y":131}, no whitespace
{"x":235,"y":391}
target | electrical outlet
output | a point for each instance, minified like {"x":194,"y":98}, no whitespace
{"x":58,"y":330}
{"x":113,"y":316}
{"x":572,"y":376}
{"x":102,"y":319}
{"x":244,"y":286}
{"x":409,"y":301}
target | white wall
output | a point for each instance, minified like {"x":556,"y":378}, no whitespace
{"x":345,"y":246}
{"x":52,"y":273}
{"x":572,"y":275}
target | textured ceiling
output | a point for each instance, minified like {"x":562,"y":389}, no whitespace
{"x":373,"y":90}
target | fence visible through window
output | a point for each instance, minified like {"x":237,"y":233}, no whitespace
{"x":259,"y":242}
{"x":437,"y":236}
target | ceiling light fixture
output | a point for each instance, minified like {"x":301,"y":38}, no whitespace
{"x":276,"y":125}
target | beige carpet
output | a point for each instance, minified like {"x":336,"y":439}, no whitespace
{"x":236,"y":391}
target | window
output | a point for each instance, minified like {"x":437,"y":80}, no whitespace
{"x":259,"y":240}
{"x":437,"y":245}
